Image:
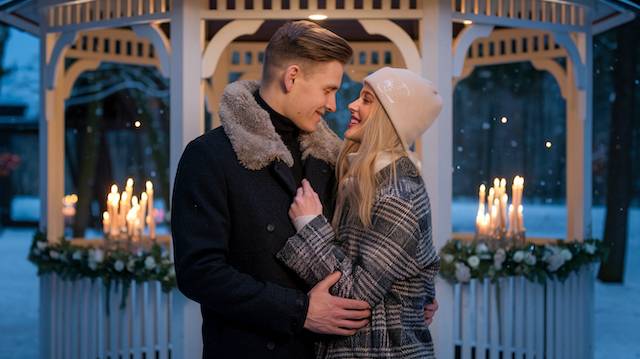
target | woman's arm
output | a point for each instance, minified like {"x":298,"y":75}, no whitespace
{"x":389,"y":249}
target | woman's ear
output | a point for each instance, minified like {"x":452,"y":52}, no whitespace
{"x":291,"y":73}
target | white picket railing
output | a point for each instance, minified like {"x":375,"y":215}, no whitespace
{"x":79,"y":320}
{"x":515,"y":318}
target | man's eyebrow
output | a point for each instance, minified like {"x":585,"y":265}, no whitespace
{"x":332,"y":87}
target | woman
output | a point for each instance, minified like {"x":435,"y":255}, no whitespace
{"x":382,"y":238}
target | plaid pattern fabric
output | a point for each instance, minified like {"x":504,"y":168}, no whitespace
{"x":392,"y":265}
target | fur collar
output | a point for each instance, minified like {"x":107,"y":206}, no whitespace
{"x":253,"y":137}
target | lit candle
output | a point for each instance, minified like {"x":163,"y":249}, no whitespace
{"x":511,"y":221}
{"x":150,"y":220}
{"x":143,"y":210}
{"x":106,"y":223}
{"x":520,"y":219}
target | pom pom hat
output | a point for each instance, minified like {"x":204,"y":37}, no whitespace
{"x":411,"y":101}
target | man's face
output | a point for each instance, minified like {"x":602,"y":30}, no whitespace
{"x":312,"y":92}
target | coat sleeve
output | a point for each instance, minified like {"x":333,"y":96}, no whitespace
{"x":201,"y":231}
{"x":389,"y":251}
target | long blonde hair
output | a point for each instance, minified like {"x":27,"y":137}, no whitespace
{"x":355,"y":168}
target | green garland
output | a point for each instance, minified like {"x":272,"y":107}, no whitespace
{"x":117,"y":266}
{"x":461,"y":261}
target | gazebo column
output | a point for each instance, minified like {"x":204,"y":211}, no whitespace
{"x":187,"y":92}
{"x":187,"y":123}
{"x":437,"y":153}
{"x":51,"y":138}
{"x":579,"y":139}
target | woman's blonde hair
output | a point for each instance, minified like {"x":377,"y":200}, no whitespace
{"x":355,"y":168}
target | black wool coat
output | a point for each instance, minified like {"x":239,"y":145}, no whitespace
{"x":232,"y":192}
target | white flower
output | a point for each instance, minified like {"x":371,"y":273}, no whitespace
{"x":530,"y":259}
{"x":448,"y":258}
{"x":118,"y":266}
{"x":54,"y":254}
{"x":518,"y":256}
{"x":463,"y":274}
{"x":482,"y":248}
{"x":92,"y":264}
{"x":77,"y":255}
{"x":97,"y":255}
{"x":149,"y":263}
{"x":172,"y":272}
{"x":499,"y":258}
{"x":566,"y":254}
{"x":590,"y":248}
{"x":555,"y":261}
{"x":131,"y":265}
{"x":42,"y":245}
{"x":473,"y":262}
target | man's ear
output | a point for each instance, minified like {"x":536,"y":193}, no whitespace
{"x":291,"y":73}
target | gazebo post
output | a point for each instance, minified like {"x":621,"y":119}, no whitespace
{"x":51,"y":138}
{"x":437,"y":153}
{"x":187,"y":91}
{"x":186,"y":123}
{"x":579,"y":137}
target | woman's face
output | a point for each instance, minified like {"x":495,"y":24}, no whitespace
{"x":360,"y":110}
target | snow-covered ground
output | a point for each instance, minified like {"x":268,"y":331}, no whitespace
{"x":617,"y":314}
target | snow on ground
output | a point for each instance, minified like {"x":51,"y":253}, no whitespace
{"x":617,"y":316}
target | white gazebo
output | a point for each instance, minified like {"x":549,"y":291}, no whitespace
{"x":452,"y":38}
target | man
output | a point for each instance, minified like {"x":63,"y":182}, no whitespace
{"x":232,"y":193}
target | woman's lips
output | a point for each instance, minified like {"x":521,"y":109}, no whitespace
{"x":353,"y":122}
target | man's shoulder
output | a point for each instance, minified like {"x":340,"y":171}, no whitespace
{"x":213,"y":142}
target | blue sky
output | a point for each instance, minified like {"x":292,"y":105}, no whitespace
{"x":22,"y":53}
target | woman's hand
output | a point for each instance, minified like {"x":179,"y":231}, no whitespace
{"x":306,"y":202}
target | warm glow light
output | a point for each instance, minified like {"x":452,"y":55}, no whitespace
{"x":467,"y":22}
{"x":317,"y":17}
{"x":504,"y":119}
{"x":548,"y":144}
{"x":137,"y":124}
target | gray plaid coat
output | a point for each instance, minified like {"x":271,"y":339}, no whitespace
{"x":392,"y":265}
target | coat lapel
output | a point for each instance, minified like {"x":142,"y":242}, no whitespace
{"x":284,"y":176}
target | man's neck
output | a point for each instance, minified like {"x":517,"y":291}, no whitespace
{"x":273,"y":98}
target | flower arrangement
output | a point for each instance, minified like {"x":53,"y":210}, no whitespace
{"x":114,"y":264}
{"x":462,"y":261}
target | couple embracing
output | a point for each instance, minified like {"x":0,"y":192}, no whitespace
{"x":296,"y":244}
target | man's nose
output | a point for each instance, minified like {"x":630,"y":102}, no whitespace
{"x":331,"y":104}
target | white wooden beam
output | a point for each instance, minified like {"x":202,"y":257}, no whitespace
{"x":579,"y":142}
{"x":161,"y":44}
{"x":187,"y":90}
{"x":463,"y":41}
{"x":19,"y":23}
{"x":222,"y":39}
{"x":437,"y":153}
{"x":399,"y":37}
{"x":555,"y":70}
{"x":56,"y":57}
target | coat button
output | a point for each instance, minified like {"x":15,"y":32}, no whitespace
{"x":270,"y":227}
{"x":271,"y":345}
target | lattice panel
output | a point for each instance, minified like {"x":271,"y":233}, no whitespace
{"x":555,"y":12}
{"x":121,"y":46}
{"x":97,"y":11}
{"x":512,"y":46}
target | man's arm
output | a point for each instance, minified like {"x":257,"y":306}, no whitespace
{"x":201,"y":230}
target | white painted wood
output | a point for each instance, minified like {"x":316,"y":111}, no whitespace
{"x":467,"y":326}
{"x":149,"y":322}
{"x":579,"y":138}
{"x":399,"y":37}
{"x":216,"y":46}
{"x":457,"y":314}
{"x":187,"y":94}
{"x":137,"y":318}
{"x":463,"y":41}
{"x":161,"y":44}
{"x":186,"y":335}
{"x":162,"y":313}
{"x":437,"y":150}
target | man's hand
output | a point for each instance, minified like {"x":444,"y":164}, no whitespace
{"x":430,"y":311}
{"x":328,"y":314}
{"x":306,"y":202}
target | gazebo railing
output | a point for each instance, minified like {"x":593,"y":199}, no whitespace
{"x":84,"y":319}
{"x":515,"y":318}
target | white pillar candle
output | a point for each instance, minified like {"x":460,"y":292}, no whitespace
{"x":150,"y":220}
{"x":106,"y":223}
{"x":143,"y":210}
